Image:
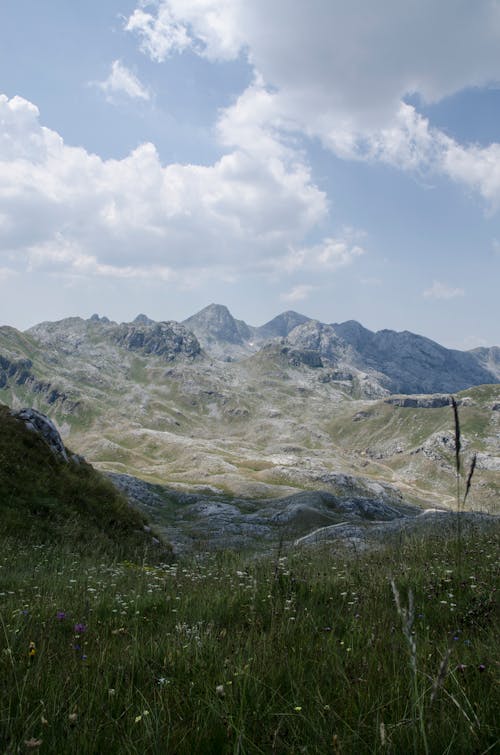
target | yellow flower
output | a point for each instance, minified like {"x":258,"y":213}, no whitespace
{"x":32,"y":649}
{"x":298,"y":708}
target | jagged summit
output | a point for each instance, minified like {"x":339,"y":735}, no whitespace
{"x":96,"y":318}
{"x":219,"y":332}
{"x":386,"y":360}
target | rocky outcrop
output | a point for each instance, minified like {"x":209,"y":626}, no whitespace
{"x":19,"y":373}
{"x":433,"y":523}
{"x":168,"y":340}
{"x":315,"y":336}
{"x":307,"y":357}
{"x":435,"y":401}
{"x":39,"y":423}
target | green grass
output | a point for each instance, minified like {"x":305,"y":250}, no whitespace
{"x":44,"y":499}
{"x":294,"y":653}
{"x":102,"y":650}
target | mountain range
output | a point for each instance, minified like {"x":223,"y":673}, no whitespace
{"x":236,"y":415}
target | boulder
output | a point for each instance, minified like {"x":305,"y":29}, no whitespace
{"x":39,"y":423}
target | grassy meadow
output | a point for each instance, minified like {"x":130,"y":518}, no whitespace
{"x":109,"y":645}
{"x":303,"y":652}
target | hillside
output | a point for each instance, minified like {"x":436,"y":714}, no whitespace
{"x":48,"y":495}
{"x":294,"y":415}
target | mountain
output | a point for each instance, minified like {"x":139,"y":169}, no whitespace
{"x":489,"y":359}
{"x":280,"y":326}
{"x":284,"y":415}
{"x":411,"y":363}
{"x":220,"y":333}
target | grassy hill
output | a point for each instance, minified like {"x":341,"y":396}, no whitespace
{"x":299,"y":651}
{"x":44,"y":499}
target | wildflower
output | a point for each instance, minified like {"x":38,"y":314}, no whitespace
{"x":220,"y":691}
{"x":482,"y":667}
{"x":61,"y":615}
{"x":33,"y":743}
{"x":298,"y":708}
{"x":73,"y":718}
{"x":111,"y":692}
{"x":80,"y":628}
{"x":32,"y":650}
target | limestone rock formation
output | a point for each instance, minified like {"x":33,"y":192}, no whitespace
{"x":41,"y":424}
{"x":165,"y":339}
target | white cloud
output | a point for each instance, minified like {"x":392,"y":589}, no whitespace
{"x":297,"y":293}
{"x":442,"y":291}
{"x":122,"y":81}
{"x":210,"y":27}
{"x":350,"y":58}
{"x":136,"y":217}
{"x":328,"y":256}
{"x":338,"y":70}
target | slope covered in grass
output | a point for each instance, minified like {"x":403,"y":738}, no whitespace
{"x":45,"y":499}
{"x":299,"y":653}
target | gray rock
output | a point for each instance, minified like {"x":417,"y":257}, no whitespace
{"x":435,"y":401}
{"x":435,"y":523}
{"x":39,"y":423}
{"x":166,"y":339}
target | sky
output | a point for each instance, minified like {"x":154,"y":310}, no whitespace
{"x":340,"y":158}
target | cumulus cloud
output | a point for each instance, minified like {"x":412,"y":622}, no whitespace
{"x":327,"y":256}
{"x":442,"y":291}
{"x":339,"y":70}
{"x":122,"y":81}
{"x":137,"y":217}
{"x":297,"y":293}
{"x":350,"y":58}
{"x":210,"y":27}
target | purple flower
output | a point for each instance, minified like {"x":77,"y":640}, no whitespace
{"x":60,"y":615}
{"x":482,"y":667}
{"x":80,"y":628}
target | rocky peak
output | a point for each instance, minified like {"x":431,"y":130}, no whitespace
{"x":282,"y":325}
{"x":354,"y":333}
{"x":96,"y":318}
{"x":216,"y":323}
{"x":142,"y":319}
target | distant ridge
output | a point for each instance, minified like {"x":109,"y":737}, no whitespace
{"x":388,"y":361}
{"x":282,"y":325}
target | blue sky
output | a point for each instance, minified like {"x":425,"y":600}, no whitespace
{"x":335,"y":157}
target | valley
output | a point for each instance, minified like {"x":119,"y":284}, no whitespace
{"x":235,"y":426}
